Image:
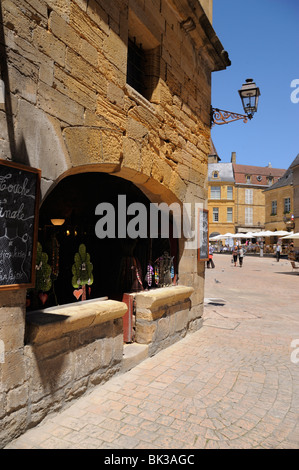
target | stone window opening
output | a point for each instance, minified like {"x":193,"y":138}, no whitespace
{"x":143,"y":68}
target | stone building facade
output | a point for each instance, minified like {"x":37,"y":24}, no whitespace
{"x":250,"y":182}
{"x":238,"y":200}
{"x":221,"y":196}
{"x":73,"y":110}
{"x":282,"y":201}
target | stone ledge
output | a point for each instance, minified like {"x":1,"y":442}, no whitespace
{"x":54,"y":322}
{"x":165,"y":296}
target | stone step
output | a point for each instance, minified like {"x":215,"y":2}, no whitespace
{"x":133,"y":354}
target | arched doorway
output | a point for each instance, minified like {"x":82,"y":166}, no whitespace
{"x":119,"y":264}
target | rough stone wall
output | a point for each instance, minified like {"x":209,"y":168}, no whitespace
{"x":68,"y":109}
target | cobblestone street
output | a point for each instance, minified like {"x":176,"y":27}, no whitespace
{"x":232,"y":384}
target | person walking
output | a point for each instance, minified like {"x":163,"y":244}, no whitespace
{"x":278,"y":251}
{"x":235,"y":255}
{"x":240,"y":255}
{"x":210,"y":260}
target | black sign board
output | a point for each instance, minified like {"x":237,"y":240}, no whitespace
{"x":19,"y":204}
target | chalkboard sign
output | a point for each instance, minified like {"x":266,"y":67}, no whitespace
{"x":19,"y":203}
{"x":203,"y":235}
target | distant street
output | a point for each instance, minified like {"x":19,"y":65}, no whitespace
{"x":232,"y":384}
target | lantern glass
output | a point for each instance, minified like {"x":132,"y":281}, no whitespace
{"x":249,"y":94}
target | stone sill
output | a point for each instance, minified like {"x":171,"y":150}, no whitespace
{"x":165,"y":296}
{"x":134,"y":94}
{"x":54,"y":322}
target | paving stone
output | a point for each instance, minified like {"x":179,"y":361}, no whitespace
{"x":218,"y":388}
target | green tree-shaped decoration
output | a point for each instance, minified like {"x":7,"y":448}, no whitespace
{"x":82,"y":270}
{"x":43,"y":280}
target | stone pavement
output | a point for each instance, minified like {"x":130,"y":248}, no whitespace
{"x":232,"y":384}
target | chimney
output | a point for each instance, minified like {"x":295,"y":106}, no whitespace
{"x":269,"y":165}
{"x":234,"y":158}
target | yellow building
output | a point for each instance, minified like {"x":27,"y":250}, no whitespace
{"x":282,"y":201}
{"x":221,"y":195}
{"x":250,"y":183}
{"x":236,"y":197}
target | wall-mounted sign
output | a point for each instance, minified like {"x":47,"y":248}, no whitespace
{"x":203,"y":234}
{"x":19,"y":204}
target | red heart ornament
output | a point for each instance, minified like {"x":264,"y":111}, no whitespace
{"x":77,"y":293}
{"x":43,"y":297}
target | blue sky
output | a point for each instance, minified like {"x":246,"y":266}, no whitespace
{"x":262,"y":40}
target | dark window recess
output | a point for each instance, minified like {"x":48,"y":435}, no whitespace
{"x":143,"y":69}
{"x":135,"y":67}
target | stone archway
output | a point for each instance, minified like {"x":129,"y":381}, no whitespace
{"x":74,"y":199}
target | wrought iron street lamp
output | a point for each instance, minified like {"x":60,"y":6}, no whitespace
{"x":249,"y":94}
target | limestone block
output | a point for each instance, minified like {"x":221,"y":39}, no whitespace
{"x":41,"y":136}
{"x":161,"y":171}
{"x":118,"y":348}
{"x":76,"y":389}
{"x":50,"y":375}
{"x":62,"y":8}
{"x":13,"y":15}
{"x":17,"y":398}
{"x":86,"y":73}
{"x":181,"y":320}
{"x":91,"y":145}
{"x":115,"y":50}
{"x":178,"y":186}
{"x":107,"y":352}
{"x":12,"y":425}
{"x":162,"y":330}
{"x":85,"y":27}
{"x":111,"y":113}
{"x":12,"y":333}
{"x":55,"y":322}
{"x":52,"y":348}
{"x":145,"y":332}
{"x":87,"y":359}
{"x":22,"y":85}
{"x":62,"y":30}
{"x":13,"y":369}
{"x":136,"y":130}
{"x":131,"y":154}
{"x":48,"y":44}
{"x":98,"y":15}
{"x":60,"y":106}
{"x":74,"y":89}
{"x":115,"y":95}
{"x":155,"y":298}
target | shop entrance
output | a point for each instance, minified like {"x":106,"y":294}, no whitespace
{"x":119,"y":265}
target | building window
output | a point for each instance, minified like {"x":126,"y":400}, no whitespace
{"x":274,"y":208}
{"x":215,"y":214}
{"x":229,"y":214}
{"x":215,"y":192}
{"x":143,"y":68}
{"x":248,"y":196}
{"x":287,"y":205}
{"x":215,"y":174}
{"x":248,"y":179}
{"x":270,"y":180}
{"x":229,"y":192}
{"x":248,"y":215}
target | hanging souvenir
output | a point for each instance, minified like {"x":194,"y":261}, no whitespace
{"x":149,"y":275}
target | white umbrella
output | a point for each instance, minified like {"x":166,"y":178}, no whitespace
{"x":217,"y":237}
{"x":292,"y":235}
{"x":280,"y":233}
{"x":263,"y":233}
